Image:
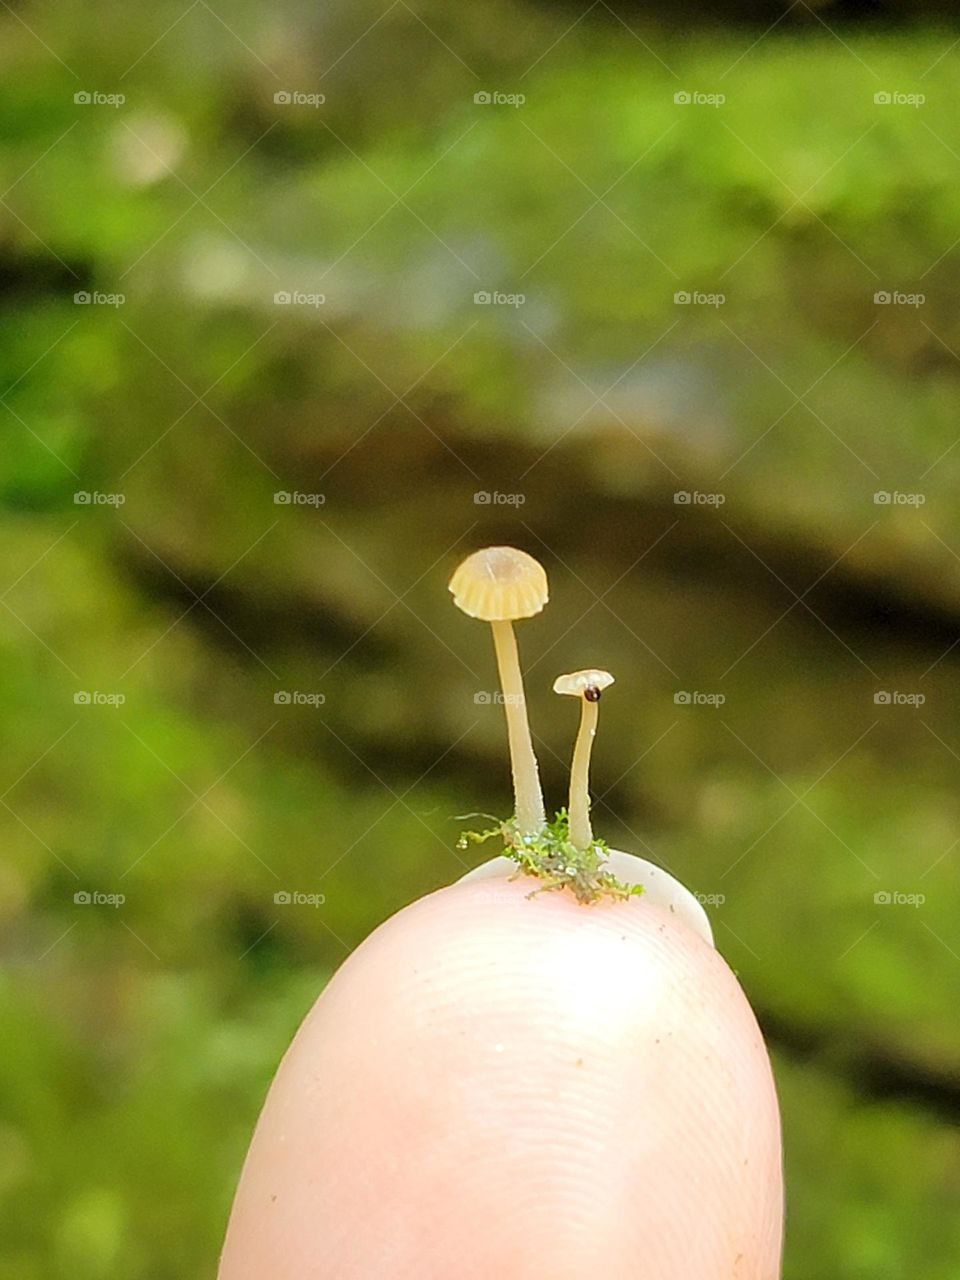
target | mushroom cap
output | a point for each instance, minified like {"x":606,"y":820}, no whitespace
{"x":499,"y":584}
{"x":577,"y":683}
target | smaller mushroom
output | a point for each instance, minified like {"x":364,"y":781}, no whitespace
{"x":500,"y":585}
{"x":587,"y":686}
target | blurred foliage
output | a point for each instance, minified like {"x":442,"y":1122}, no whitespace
{"x":141,"y":1037}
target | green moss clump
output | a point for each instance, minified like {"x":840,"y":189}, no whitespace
{"x":556,"y":863}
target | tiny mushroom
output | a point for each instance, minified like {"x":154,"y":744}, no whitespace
{"x":499,"y":585}
{"x":587,"y":686}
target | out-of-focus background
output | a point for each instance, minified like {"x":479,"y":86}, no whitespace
{"x":667,"y":298}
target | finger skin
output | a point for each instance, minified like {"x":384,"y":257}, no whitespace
{"x":498,"y":1086}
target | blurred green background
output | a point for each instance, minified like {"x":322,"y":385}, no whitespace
{"x":794,"y":172}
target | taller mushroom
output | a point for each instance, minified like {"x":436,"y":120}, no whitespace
{"x":500,"y":585}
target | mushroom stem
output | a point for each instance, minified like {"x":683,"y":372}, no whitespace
{"x":523,"y":762}
{"x":578,"y":809}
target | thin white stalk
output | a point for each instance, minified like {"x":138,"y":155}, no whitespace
{"x":523,"y":762}
{"x":581,"y":833}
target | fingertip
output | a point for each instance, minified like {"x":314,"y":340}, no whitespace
{"x":494,"y":1084}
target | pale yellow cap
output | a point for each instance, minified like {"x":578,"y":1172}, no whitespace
{"x":577,"y":683}
{"x":499,"y":584}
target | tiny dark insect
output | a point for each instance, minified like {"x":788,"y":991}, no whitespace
{"x":592,"y":694}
